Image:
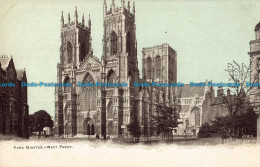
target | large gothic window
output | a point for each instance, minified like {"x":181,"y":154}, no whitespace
{"x":111,"y":77}
{"x":131,"y":84}
{"x":69,"y":52}
{"x":187,"y":123}
{"x":129,"y":44}
{"x":88,"y":96}
{"x":171,"y":65}
{"x":110,"y":110}
{"x":82,"y":52}
{"x":66,"y":88}
{"x":149,"y":68}
{"x":197,"y":118}
{"x":158,"y":66}
{"x":113,"y":41}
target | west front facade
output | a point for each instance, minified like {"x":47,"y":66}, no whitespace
{"x":106,"y":110}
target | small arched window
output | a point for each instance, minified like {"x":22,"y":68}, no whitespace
{"x":69,"y":52}
{"x":158,"y":66}
{"x":66,"y":88}
{"x":173,"y":68}
{"x":110,"y":110}
{"x":82,"y":54}
{"x":197,"y":118}
{"x":131,"y":83}
{"x":113,"y":41}
{"x":187,"y":123}
{"x":149,"y":68}
{"x":129,"y":44}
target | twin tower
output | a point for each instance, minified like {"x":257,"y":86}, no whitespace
{"x":108,"y":110}
{"x":119,"y":35}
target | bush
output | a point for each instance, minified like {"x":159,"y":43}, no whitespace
{"x":205,"y":131}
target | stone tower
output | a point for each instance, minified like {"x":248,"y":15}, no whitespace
{"x":74,"y":50}
{"x":159,"y":66}
{"x":120,"y":65}
{"x":255,"y":75}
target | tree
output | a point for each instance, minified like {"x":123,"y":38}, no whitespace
{"x":31,"y":120}
{"x":42,"y":119}
{"x":239,"y":101}
{"x":246,"y":125}
{"x":163,"y":120}
{"x":134,"y":129}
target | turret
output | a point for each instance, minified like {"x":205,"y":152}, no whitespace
{"x":62,"y":20}
{"x":122,"y":5}
{"x":104,"y":8}
{"x":76,"y":16}
{"x":257,"y":31}
{"x":134,"y":8}
{"x":128,"y":6}
{"x":89,"y":23}
{"x":83,"y":20}
{"x":113,"y":6}
{"x":69,"y":18}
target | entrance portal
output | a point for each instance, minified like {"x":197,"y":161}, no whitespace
{"x":88,"y":127}
{"x":110,"y":128}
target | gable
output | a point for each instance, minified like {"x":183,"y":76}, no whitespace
{"x":11,"y":71}
{"x":91,"y":63}
{"x":5,"y":62}
{"x":21,"y":76}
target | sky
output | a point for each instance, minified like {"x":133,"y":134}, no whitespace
{"x":206,"y":35}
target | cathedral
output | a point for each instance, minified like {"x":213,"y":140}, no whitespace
{"x":96,"y":110}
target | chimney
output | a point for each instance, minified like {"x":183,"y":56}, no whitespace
{"x":220,"y":92}
{"x":228,"y":92}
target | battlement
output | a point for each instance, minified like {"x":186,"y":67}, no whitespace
{"x":5,"y":56}
{"x":164,"y":45}
{"x":156,"y":46}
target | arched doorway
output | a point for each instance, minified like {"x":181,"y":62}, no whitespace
{"x":110,"y":128}
{"x":86,"y":126}
{"x":4,"y":126}
{"x":88,"y":130}
{"x":92,"y":129}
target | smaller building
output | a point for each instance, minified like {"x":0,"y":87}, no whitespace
{"x":13,"y":99}
{"x":221,"y":103}
{"x":195,"y":108}
{"x":198,"y":105}
{"x":218,"y":106}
